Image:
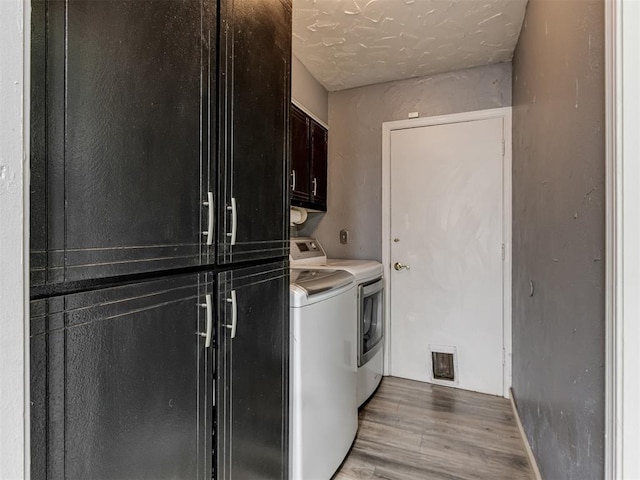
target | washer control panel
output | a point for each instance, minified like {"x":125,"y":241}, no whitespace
{"x":305,"y":249}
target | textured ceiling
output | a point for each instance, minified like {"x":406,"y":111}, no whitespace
{"x":350,"y":43}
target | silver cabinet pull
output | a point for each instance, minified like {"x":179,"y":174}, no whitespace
{"x":207,"y":335}
{"x":293,"y":179}
{"x":234,"y":221}
{"x":400,"y":266}
{"x":209,"y":204}
{"x":234,"y":313}
{"x":315,"y":186}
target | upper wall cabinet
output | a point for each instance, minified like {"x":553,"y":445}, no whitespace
{"x":255,"y":56}
{"x":121,"y":137}
{"x":308,"y":161}
{"x":300,"y":164}
{"x":318,"y":153}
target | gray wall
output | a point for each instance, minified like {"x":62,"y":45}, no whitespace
{"x":355,"y":146}
{"x":558,"y":235}
{"x":307,"y":91}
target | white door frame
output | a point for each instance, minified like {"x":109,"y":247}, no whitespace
{"x":15,"y":34}
{"x":387,"y":128}
{"x":622,"y":406}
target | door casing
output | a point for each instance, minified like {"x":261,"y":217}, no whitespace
{"x":387,"y":127}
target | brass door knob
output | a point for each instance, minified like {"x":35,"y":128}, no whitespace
{"x":399,"y":266}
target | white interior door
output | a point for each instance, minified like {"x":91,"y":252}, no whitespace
{"x":447,"y":226}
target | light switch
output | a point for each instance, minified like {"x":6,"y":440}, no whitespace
{"x":344,"y":236}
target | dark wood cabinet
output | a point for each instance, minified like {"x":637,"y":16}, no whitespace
{"x":300,"y":162}
{"x":136,"y":166}
{"x":253,"y":372}
{"x":121,"y":382}
{"x":318,"y":142}
{"x":126,"y":383}
{"x":255,"y":57}
{"x":121,"y":145}
{"x":308,"y":161}
{"x":160,"y":157}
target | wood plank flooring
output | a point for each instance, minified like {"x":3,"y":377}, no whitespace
{"x":412,"y":430}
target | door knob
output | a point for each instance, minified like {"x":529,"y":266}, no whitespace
{"x":399,"y":266}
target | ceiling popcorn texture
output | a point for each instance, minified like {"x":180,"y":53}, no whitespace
{"x":350,"y":43}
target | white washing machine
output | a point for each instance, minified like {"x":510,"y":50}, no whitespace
{"x":369,"y":316}
{"x":324,"y":410}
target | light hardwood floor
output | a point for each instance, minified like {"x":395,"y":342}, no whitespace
{"x":412,"y":430}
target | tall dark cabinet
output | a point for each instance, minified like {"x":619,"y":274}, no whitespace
{"x":254,"y":364}
{"x":120,"y":382}
{"x":255,"y":57}
{"x":159,"y":196}
{"x":123,"y":165}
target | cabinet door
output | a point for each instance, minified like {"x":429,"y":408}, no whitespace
{"x":318,"y":143}
{"x":300,"y":158}
{"x":38,"y":143}
{"x":121,"y":383}
{"x":118,"y":176}
{"x":253,"y":390}
{"x":253,"y":202}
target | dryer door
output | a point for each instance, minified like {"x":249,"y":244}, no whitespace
{"x":370,"y":320}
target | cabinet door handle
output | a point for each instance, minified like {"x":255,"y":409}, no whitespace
{"x":209,"y":205}
{"x":234,"y":221}
{"x":315,"y":186}
{"x":209,"y":306}
{"x":234,"y":313}
{"x":293,"y":179}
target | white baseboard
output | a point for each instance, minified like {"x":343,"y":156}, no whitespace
{"x":527,"y":447}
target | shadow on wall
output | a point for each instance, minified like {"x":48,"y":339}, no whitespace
{"x":308,"y":228}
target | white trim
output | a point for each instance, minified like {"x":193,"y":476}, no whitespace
{"x":530,"y":456}
{"x":308,"y":112}
{"x":15,"y":22}
{"x":26,"y":235}
{"x":507,"y":209}
{"x":623,"y":233}
{"x":386,"y":241}
{"x":622,"y":389}
{"x":611,"y":48}
{"x":387,"y":128}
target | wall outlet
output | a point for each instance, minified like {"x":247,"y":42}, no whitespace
{"x":344,"y":236}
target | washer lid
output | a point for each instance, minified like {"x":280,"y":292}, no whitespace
{"x":314,"y":282}
{"x":362,"y":270}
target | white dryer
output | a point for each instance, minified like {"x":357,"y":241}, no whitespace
{"x":369,"y":316}
{"x":324,"y":411}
